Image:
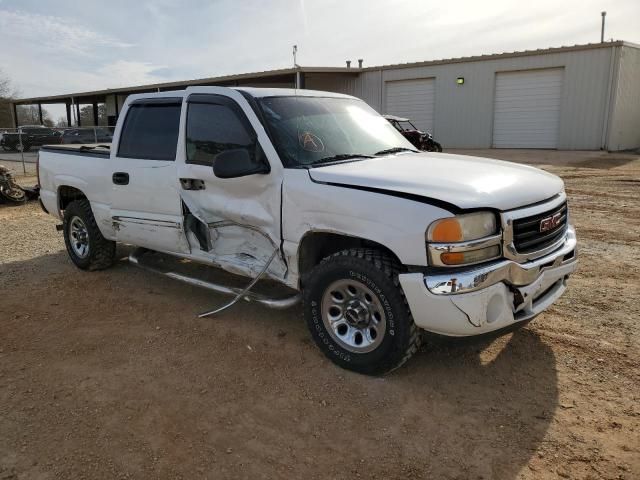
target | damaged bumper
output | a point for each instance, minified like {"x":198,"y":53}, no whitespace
{"x":482,"y":299}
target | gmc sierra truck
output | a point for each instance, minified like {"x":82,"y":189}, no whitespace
{"x":318,"y":192}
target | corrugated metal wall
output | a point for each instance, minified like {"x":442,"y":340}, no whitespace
{"x":464,"y":113}
{"x":624,"y":127}
{"x":331,"y":82}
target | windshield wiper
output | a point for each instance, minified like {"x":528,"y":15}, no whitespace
{"x":394,"y":150}
{"x":341,"y":156}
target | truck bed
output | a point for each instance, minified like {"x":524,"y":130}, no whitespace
{"x":86,"y":150}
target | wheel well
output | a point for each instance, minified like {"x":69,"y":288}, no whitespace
{"x":67,"y":194}
{"x":317,"y":245}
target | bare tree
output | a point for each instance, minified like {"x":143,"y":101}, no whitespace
{"x":86,"y":115}
{"x":29,"y":115}
{"x":6,"y":93}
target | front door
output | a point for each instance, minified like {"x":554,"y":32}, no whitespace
{"x":145,"y":202}
{"x":233,"y":222}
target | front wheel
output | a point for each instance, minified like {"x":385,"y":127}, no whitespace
{"x":86,"y":246}
{"x":357,"y":313}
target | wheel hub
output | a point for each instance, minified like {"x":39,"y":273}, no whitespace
{"x":353,"y":315}
{"x":79,"y":237}
{"x":357,"y":314}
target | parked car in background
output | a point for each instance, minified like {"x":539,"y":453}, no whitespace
{"x":86,"y":135}
{"x":421,"y":140}
{"x":29,"y":136}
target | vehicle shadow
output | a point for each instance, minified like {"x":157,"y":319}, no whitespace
{"x":115,"y":366}
{"x":488,"y":402}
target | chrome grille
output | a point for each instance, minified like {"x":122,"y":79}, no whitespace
{"x":527,"y":236}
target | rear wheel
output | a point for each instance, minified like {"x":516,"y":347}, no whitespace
{"x":357,"y":314}
{"x":86,"y":246}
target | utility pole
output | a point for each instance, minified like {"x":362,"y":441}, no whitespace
{"x":296,"y":66}
{"x":604,"y":14}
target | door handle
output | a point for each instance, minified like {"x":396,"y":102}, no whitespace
{"x":120,"y":178}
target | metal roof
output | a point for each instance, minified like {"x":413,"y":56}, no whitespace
{"x":492,"y":56}
{"x":263,"y":75}
{"x":185,"y":83}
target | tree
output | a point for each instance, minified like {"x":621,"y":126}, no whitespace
{"x":29,"y":115}
{"x":86,"y":115}
{"x":6,"y":93}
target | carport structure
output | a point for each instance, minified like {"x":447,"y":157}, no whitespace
{"x":113,"y":98}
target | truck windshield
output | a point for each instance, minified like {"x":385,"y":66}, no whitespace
{"x":310,"y":131}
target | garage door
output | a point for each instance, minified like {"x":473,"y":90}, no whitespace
{"x":527,"y":109}
{"x":413,"y":99}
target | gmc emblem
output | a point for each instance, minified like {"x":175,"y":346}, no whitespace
{"x":550,"y":223}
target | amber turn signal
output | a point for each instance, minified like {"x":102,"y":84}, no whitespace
{"x":452,"y":258}
{"x":447,"y":230}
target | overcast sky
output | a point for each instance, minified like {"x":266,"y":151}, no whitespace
{"x":62,"y":46}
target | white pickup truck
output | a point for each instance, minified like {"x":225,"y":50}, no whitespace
{"x":317,"y":191}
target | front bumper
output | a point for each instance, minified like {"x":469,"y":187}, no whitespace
{"x":485,"y":298}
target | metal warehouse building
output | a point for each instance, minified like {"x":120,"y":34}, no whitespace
{"x":582,"y":97}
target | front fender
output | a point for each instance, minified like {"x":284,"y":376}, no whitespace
{"x":398,"y":224}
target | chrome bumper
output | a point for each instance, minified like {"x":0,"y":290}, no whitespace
{"x":508,"y":271}
{"x":490,"y":297}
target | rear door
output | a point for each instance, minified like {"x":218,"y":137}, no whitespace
{"x":145,"y":200}
{"x":233,"y":222}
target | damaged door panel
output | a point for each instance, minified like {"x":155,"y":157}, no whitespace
{"x":231,"y":222}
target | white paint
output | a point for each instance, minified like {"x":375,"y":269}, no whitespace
{"x":249,"y":217}
{"x":527,"y":109}
{"x":464,"y":181}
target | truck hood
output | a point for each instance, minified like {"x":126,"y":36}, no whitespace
{"x":460,"y":180}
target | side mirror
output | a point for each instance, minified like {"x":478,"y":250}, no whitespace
{"x":238,"y":163}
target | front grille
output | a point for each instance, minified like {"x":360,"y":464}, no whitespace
{"x":527,"y":236}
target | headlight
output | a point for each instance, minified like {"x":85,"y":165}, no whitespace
{"x":462,"y":228}
{"x":463,"y":239}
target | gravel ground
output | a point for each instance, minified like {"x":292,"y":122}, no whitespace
{"x":111,"y":375}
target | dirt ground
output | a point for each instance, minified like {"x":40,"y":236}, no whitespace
{"x":111,"y":375}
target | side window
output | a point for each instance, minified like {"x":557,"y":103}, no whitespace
{"x":215,"y":125}
{"x":150,"y":131}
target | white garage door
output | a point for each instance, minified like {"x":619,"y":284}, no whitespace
{"x":527,"y":109}
{"x":413,"y":99}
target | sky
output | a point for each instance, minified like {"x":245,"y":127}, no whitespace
{"x":63,"y":46}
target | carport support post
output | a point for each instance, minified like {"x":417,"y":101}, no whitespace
{"x":95,"y":121}
{"x":40,"y":113}
{"x":68,"y":114}
{"x":14,"y":111}
{"x":78,"y":113}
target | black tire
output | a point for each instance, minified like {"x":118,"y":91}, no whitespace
{"x":101,"y":252}
{"x":379,"y":273}
{"x":13,"y":194}
{"x":437,"y":147}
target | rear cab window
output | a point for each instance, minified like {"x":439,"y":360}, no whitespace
{"x":150,"y":130}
